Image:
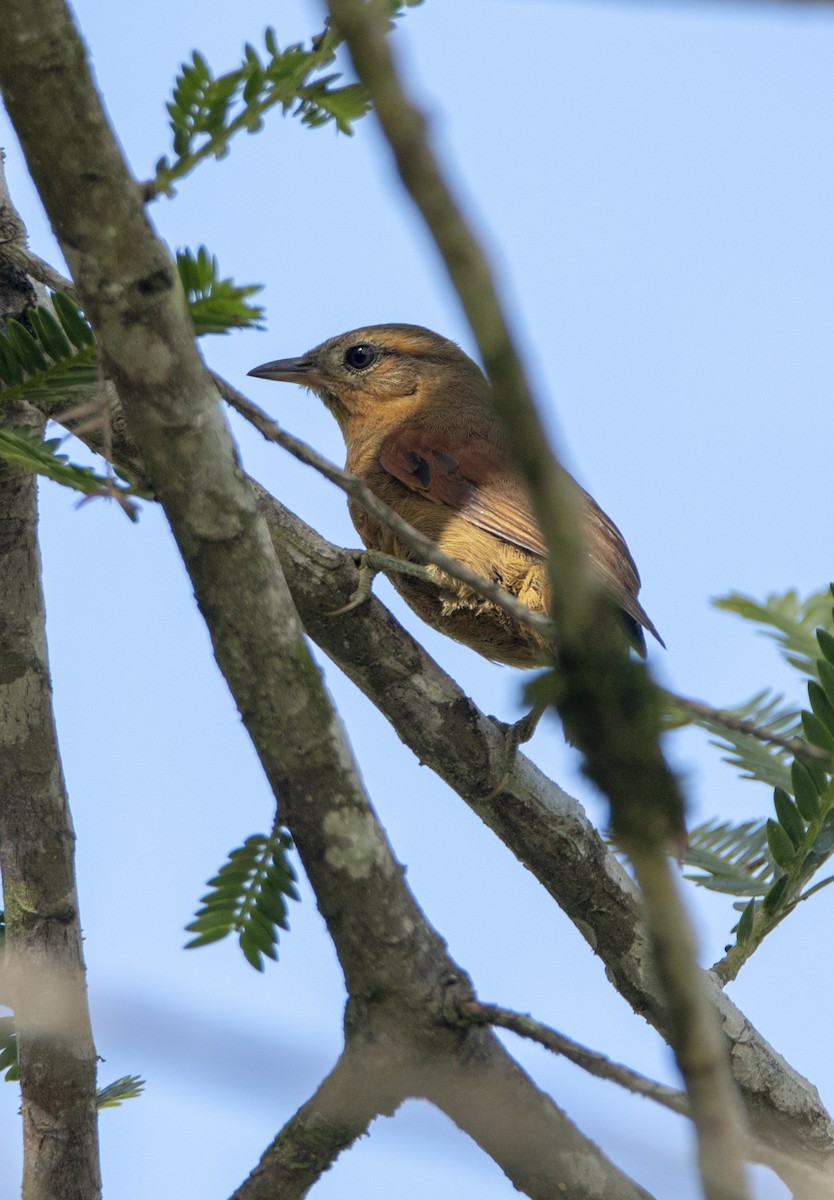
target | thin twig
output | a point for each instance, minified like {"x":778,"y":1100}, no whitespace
{"x":806,"y":1179}
{"x":589,"y":1060}
{"x":720,"y":716}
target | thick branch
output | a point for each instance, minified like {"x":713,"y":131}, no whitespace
{"x":43,"y":974}
{"x":340,"y":1111}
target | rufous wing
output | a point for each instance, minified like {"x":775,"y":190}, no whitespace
{"x":473,"y":476}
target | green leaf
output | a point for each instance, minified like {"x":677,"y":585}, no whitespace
{"x":72,"y":321}
{"x":745,"y":925}
{"x":816,"y":732}
{"x":51,"y":334}
{"x":821,"y":705}
{"x":789,"y":818}
{"x":206,"y":113}
{"x":825,"y":672}
{"x":25,"y":447}
{"x":52,"y":358}
{"x":826,"y":644}
{"x":776,"y":894}
{"x":248,"y":896}
{"x":8,"y":1050}
{"x":126,"y":1088}
{"x":780,"y":845}
{"x":216,"y":305}
{"x":789,"y":620}
{"x":805,"y":790}
{"x":733,"y":858}
{"x":754,"y":759}
{"x":822,"y":847}
{"x":25,"y":347}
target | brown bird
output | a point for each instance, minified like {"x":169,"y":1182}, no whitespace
{"x":417,"y":421}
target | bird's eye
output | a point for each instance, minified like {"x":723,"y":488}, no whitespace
{"x":360,"y":357}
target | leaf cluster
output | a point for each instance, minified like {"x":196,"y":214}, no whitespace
{"x":115,"y":1093}
{"x":770,"y":863}
{"x":206,"y":110}
{"x":51,"y":355}
{"x":248,"y":897}
{"x":216,"y":305}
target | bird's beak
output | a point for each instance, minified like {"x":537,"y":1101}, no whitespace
{"x":290,"y":370}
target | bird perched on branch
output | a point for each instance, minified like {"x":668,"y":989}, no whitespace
{"x":417,"y":421}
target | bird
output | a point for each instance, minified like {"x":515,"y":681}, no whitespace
{"x":416,"y":416}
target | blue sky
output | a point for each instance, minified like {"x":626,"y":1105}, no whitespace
{"x":655,"y":184}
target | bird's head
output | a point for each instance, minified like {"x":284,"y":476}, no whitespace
{"x":383,"y":374}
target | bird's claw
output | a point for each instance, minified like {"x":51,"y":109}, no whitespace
{"x":367,"y":571}
{"x":515,"y":736}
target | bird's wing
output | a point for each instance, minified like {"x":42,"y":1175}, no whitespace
{"x":474,"y":477}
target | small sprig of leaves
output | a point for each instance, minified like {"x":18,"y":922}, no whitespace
{"x":8,"y":1050}
{"x":115,"y":1093}
{"x":26,"y":447}
{"x":206,"y":111}
{"x":248,"y":897}
{"x":52,"y":355}
{"x":791,"y":622}
{"x":111,"y":1096}
{"x":771,"y":863}
{"x":216,"y":305}
{"x":731,"y":858}
{"x":8,"y":1038}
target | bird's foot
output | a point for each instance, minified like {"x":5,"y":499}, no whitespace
{"x":515,"y":736}
{"x":367,"y":571}
{"x":523,"y":729}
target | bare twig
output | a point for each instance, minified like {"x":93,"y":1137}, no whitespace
{"x":589,"y":1060}
{"x":720,"y":716}
{"x":806,"y":1180}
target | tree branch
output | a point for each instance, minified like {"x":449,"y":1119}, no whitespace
{"x":544,"y":827}
{"x":340,"y":1111}
{"x":43,"y":973}
{"x":589,"y":1060}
